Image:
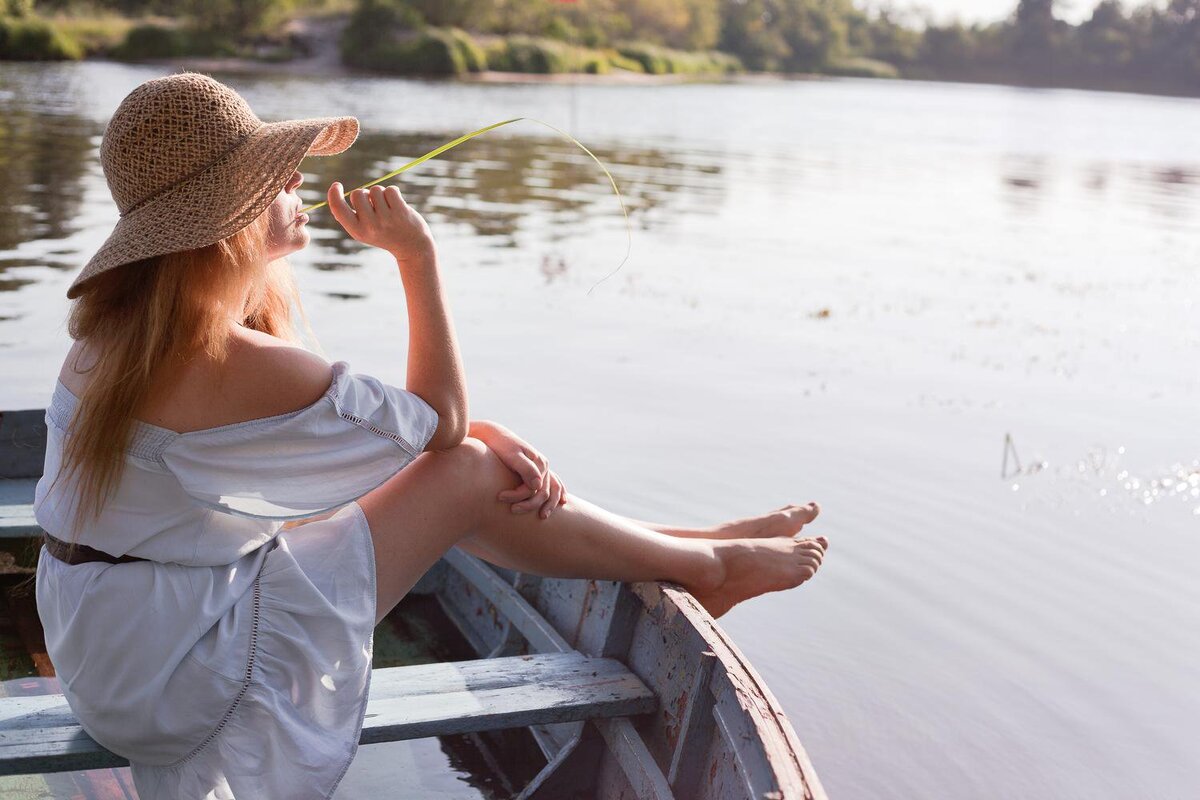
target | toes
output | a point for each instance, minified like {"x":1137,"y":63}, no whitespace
{"x":814,"y":543}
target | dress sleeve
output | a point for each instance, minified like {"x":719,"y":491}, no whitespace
{"x":360,"y":433}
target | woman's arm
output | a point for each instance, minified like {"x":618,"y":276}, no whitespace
{"x":435,"y":370}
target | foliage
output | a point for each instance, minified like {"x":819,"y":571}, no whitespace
{"x":657,"y":60}
{"x":34,"y":39}
{"x":859,"y":67}
{"x":16,"y":8}
{"x":388,"y":36}
{"x":473,"y":56}
{"x":97,"y":34}
{"x":1126,"y":44}
{"x":519,"y":53}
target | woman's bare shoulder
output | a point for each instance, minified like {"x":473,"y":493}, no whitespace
{"x":262,"y":376}
{"x":273,"y":375}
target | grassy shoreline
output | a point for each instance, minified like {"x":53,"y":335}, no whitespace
{"x":323,"y":41}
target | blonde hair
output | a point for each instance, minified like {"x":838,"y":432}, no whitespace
{"x":137,"y":316}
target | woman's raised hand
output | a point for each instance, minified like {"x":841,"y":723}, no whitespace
{"x":381,"y":218}
{"x":540,"y":489}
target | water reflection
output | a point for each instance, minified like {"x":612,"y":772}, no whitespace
{"x":488,"y":188}
{"x":492,"y":188}
{"x":43,"y":159}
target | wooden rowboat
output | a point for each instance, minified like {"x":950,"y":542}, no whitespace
{"x":602,"y":689}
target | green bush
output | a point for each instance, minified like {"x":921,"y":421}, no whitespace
{"x":618,"y":61}
{"x":376,"y":23}
{"x":657,"y":60}
{"x":151,"y":41}
{"x":547,"y":56}
{"x":861,"y":68}
{"x":433,"y":51}
{"x":527,"y":54}
{"x":34,"y":39}
{"x":97,"y":34}
{"x":16,"y":8}
{"x":473,"y":56}
{"x":391,"y":36}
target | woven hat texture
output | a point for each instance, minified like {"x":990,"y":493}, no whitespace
{"x":188,"y":163}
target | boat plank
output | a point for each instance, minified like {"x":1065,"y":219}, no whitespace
{"x":39,"y":734}
{"x":691,"y":746}
{"x":542,"y":636}
{"x":16,"y":507}
{"x":629,"y":751}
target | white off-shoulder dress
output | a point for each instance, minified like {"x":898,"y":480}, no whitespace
{"x":235,"y":662}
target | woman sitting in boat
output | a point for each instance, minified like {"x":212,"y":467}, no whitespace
{"x":228,"y":515}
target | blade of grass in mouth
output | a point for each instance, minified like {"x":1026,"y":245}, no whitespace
{"x":443,"y":148}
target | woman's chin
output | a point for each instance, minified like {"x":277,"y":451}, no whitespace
{"x":297,"y":242}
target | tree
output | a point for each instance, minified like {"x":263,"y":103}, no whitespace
{"x":749,"y":29}
{"x":1033,"y":39}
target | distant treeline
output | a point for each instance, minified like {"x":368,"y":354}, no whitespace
{"x":1154,"y":46}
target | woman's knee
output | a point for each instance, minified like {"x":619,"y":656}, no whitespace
{"x":477,"y":466}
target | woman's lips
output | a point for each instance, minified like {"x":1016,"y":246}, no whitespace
{"x":301,"y":218}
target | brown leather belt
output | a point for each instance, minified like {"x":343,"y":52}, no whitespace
{"x":81,"y":553}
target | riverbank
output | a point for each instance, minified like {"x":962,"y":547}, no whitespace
{"x":315,"y":42}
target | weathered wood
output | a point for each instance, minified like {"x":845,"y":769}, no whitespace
{"x":542,"y":636}
{"x":750,"y":731}
{"x":629,"y":751}
{"x":693,"y":737}
{"x":22,"y":443}
{"x":569,"y":774}
{"x":16,"y":508}
{"x":511,"y":641}
{"x":40,"y":734}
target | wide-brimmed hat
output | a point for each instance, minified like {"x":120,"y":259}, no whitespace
{"x":188,"y":163}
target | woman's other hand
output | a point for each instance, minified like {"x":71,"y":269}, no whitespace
{"x":540,"y":488}
{"x":381,"y":218}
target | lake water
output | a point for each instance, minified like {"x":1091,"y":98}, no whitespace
{"x":849,"y":291}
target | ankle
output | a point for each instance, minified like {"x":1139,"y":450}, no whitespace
{"x":712,"y":572}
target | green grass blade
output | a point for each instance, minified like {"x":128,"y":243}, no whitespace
{"x":443,"y":148}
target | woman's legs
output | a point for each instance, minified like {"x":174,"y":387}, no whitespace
{"x":784,"y":521}
{"x":448,"y":498}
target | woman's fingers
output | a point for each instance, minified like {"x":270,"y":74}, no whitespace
{"x":340,"y":209}
{"x":393,"y":197}
{"x":536,"y":501}
{"x":361,"y":201}
{"x":515,"y":495}
{"x":377,"y":199}
{"x":529,"y":471}
{"x":554,"y":497}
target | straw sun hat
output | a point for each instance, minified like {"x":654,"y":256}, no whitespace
{"x":188,"y":163}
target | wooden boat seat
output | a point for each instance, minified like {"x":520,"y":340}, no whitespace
{"x":16,"y":508}
{"x":40,"y":734}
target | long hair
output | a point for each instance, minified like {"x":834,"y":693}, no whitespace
{"x":136,"y":317}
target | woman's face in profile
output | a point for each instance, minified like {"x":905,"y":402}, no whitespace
{"x":288,"y":231}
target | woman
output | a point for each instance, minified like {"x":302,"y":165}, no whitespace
{"x":228,"y":516}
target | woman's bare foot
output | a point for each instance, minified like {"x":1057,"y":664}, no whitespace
{"x":757,"y":566}
{"x":785,"y":521}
